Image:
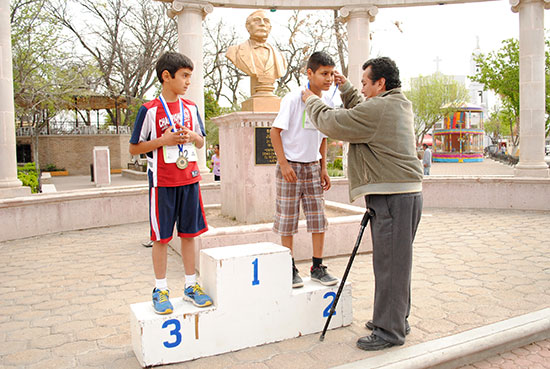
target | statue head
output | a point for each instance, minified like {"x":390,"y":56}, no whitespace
{"x":258,"y":26}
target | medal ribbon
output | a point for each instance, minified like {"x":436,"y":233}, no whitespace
{"x":331,"y":98}
{"x":168,"y":115}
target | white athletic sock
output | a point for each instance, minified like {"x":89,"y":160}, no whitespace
{"x":161,"y":284}
{"x":190,"y":280}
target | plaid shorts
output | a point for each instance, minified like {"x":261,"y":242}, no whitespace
{"x":308,"y":189}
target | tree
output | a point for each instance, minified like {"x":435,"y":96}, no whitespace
{"x":499,"y":72}
{"x":221,"y":77}
{"x":122,"y":39}
{"x":306,"y":33}
{"x":433,"y":97}
{"x":43,"y":74}
{"x":498,"y":125}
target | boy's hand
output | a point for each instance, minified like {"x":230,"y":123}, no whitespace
{"x":188,"y":135}
{"x":288,"y":173}
{"x":325,"y":180}
{"x":339,"y":79}
{"x":170,"y":138}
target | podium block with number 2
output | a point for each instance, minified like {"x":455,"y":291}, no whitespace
{"x":254,"y":304}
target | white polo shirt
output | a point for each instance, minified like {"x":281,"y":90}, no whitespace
{"x":301,"y":140}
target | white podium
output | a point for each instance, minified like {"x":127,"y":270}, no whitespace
{"x":254,"y":304}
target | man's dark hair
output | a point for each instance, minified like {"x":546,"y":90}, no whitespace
{"x":172,"y":62}
{"x":386,"y":68}
{"x":425,"y":146}
{"x":319,"y":59}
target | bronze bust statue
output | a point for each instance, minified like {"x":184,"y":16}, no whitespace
{"x":257,"y":58}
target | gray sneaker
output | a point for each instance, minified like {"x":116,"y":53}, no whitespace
{"x":321,"y":275}
{"x":296,"y":279}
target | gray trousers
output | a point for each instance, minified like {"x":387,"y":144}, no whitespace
{"x":393,"y":228}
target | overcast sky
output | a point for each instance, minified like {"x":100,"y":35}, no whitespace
{"x":447,"y":32}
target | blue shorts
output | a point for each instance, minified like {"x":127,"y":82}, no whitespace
{"x":176,"y":205}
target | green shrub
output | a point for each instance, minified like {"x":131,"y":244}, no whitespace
{"x":28,"y":176}
{"x":53,"y":168}
{"x":336,"y":164}
{"x":335,"y":172}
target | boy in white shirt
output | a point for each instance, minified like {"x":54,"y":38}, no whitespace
{"x":301,"y":169}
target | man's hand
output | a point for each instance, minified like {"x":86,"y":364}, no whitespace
{"x":339,"y":79}
{"x":306,"y":93}
{"x":288,"y":173}
{"x":325,"y":180}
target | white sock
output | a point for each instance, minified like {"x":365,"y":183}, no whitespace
{"x":190,"y":280}
{"x":161,"y":284}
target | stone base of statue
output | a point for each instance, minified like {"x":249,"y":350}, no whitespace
{"x":247,"y":166}
{"x":262,"y":104}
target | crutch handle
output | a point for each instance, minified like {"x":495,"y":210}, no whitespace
{"x":368,"y":214}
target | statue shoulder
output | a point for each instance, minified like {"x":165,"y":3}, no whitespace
{"x":234,"y":49}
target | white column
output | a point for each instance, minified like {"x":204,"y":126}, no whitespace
{"x":190,"y":17}
{"x":531,"y":87}
{"x":10,"y":186}
{"x":358,"y":20}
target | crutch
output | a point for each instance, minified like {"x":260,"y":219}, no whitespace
{"x":364,"y":222}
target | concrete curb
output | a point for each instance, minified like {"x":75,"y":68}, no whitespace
{"x":466,"y":347}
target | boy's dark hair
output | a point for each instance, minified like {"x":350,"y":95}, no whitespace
{"x":172,"y":62}
{"x":386,"y":68}
{"x":425,"y":146}
{"x":319,"y":59}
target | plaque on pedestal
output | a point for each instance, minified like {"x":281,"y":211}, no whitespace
{"x":264,"y":151}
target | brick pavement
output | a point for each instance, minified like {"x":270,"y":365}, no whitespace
{"x":64,"y":298}
{"x":533,"y":356}
{"x":487,"y":167}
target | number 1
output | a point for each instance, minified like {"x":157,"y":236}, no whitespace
{"x":255,"y":281}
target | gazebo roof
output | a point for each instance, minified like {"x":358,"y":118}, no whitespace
{"x":463,"y":107}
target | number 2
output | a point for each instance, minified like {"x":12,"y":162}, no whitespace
{"x":255,"y":280}
{"x":173,"y":332}
{"x":326,"y":312}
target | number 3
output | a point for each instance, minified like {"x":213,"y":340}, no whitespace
{"x":173,"y":332}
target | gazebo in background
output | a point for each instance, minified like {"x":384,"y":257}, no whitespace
{"x":460,"y":138}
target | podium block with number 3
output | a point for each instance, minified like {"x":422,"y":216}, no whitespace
{"x":254,"y":304}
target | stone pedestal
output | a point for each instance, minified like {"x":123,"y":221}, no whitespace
{"x":262,"y":104}
{"x":102,"y":166}
{"x":531,"y":88}
{"x":247,"y":189}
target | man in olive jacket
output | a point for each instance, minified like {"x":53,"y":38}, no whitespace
{"x":382,"y":166}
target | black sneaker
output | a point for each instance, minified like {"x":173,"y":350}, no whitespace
{"x":297,"y":281}
{"x":321,"y":275}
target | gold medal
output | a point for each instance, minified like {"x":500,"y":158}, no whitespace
{"x":182,"y":162}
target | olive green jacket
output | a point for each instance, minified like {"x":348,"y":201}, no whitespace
{"x":382,"y":155}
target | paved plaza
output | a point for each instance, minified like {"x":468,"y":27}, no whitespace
{"x":65,"y":297}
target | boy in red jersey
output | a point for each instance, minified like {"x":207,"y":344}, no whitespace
{"x":168,"y":129}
